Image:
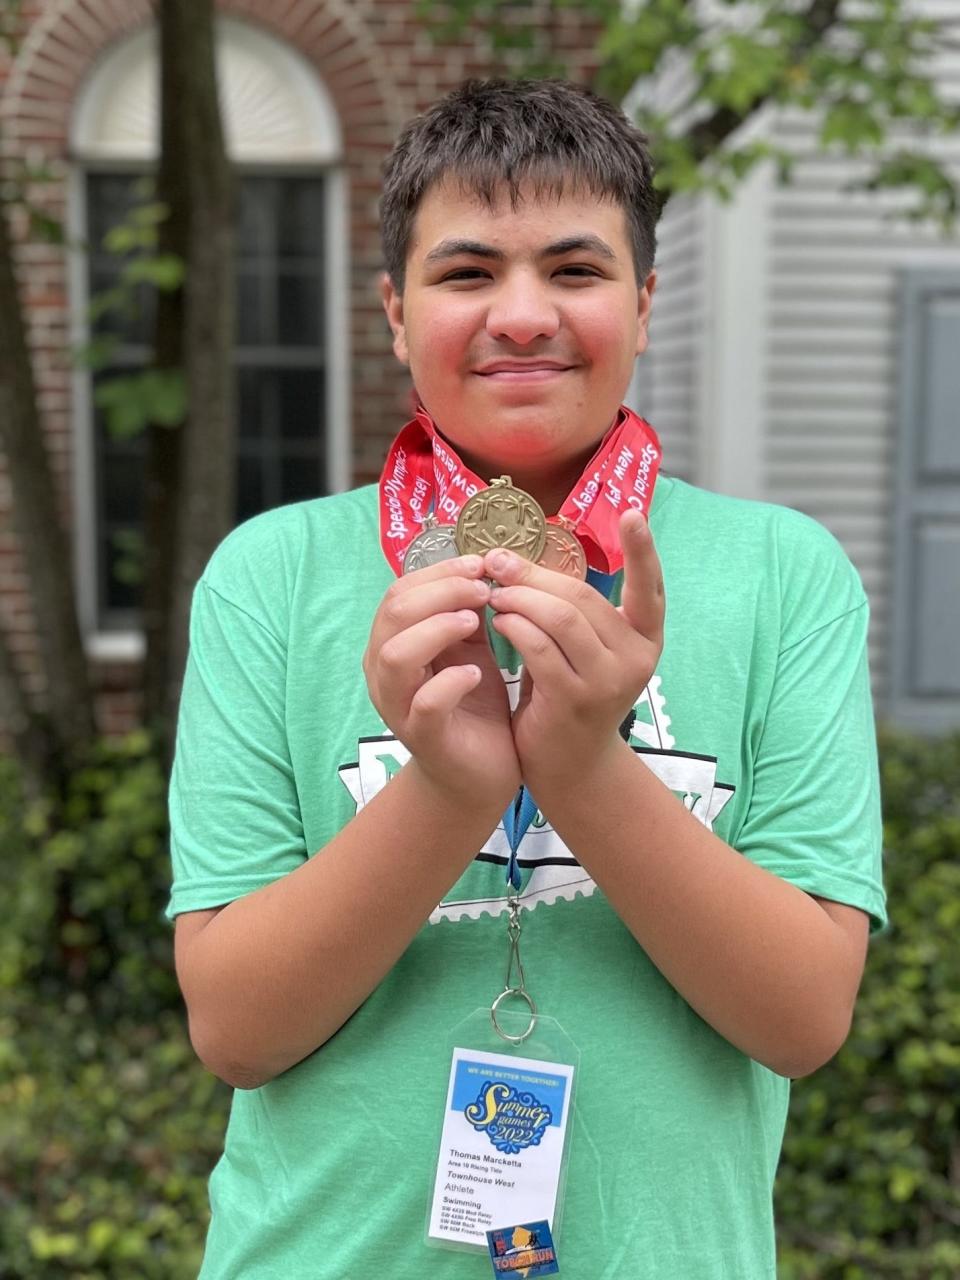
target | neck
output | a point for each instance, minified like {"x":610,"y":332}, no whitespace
{"x":549,"y":486}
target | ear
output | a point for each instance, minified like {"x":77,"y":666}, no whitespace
{"x":393,"y":306}
{"x":644,"y":303}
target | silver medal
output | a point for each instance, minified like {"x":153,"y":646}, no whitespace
{"x":434,"y":542}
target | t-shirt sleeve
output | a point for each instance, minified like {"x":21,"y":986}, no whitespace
{"x":235,"y":821}
{"x":814,"y":815}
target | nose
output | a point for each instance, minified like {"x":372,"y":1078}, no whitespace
{"x":521,"y":310}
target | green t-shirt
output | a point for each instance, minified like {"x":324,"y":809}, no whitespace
{"x":759,"y":719}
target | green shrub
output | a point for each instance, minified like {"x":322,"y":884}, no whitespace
{"x":869,"y":1183}
{"x":109,"y":1127}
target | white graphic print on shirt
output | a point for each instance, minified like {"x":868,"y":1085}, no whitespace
{"x":554,"y":871}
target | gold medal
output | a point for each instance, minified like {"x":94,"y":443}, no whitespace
{"x":563,"y":552}
{"x":434,"y":542}
{"x":502,"y":516}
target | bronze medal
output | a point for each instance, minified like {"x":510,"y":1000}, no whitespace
{"x":502,"y":516}
{"x":563,"y":552}
{"x":434,"y":542}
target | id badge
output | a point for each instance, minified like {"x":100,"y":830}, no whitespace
{"x":504,"y":1132}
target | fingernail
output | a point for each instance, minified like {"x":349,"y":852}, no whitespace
{"x":500,"y":560}
{"x":471,"y":564}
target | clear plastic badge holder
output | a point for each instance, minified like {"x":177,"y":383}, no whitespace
{"x":504,"y":1138}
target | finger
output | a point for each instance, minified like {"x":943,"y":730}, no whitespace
{"x":442,"y":694}
{"x":567,"y":626}
{"x":543,"y":659}
{"x":405,"y":604}
{"x":642,"y":600}
{"x":510,"y":570}
{"x":402,"y":661}
{"x":460,"y":566}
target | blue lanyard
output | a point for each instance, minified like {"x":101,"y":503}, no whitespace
{"x":523,"y":808}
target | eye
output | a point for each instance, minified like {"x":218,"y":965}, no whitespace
{"x":465,"y":273}
{"x":578,"y":270}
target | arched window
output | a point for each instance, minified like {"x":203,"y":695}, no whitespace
{"x":283,"y":136}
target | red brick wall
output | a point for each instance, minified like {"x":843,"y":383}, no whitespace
{"x":379,"y":66}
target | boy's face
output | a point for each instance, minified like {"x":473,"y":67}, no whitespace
{"x":520,"y":327}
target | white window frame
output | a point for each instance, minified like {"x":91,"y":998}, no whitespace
{"x":115,"y":126}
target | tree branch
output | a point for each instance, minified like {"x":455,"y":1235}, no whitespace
{"x":29,"y":735}
{"x":36,"y":519}
{"x":709,"y":134}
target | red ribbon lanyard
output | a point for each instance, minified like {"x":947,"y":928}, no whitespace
{"x":423,"y":474}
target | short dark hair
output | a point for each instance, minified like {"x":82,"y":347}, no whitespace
{"x":488,"y":134}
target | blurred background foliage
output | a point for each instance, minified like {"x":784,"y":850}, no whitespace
{"x":864,"y":70}
{"x":110,"y":1126}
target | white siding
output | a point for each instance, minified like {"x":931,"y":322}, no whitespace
{"x":665,"y":388}
{"x":833,"y":346}
{"x":667,"y":384}
{"x":827,"y":334}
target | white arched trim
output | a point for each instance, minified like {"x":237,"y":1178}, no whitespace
{"x":275,"y":108}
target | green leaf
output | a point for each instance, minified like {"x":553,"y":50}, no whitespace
{"x":100,"y":1234}
{"x":165,"y":272}
{"x":132,"y":401}
{"x":46,"y":1245}
{"x":129,"y":556}
{"x":903,"y":1183}
{"x":124,"y":239}
{"x":44,"y":227}
{"x":150,"y":214}
{"x":121,"y":400}
{"x":852,"y":124}
{"x":164,"y":393}
{"x":98,"y":353}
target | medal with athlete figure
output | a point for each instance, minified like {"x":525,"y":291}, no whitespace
{"x":434,"y":542}
{"x":423,"y":472}
{"x":502,"y":516}
{"x":562,"y":550}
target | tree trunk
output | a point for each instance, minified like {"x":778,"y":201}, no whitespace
{"x":37,"y":523}
{"x":26,"y":729}
{"x":164,"y":443}
{"x":191,"y":482}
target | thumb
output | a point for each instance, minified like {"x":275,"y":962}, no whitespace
{"x":642,"y":600}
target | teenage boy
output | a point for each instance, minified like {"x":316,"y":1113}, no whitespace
{"x":696,"y":897}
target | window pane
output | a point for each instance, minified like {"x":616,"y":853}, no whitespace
{"x":254,"y":312}
{"x":251,"y":406}
{"x":110,"y":198}
{"x":116,"y":593}
{"x":256,"y":234}
{"x":250,"y":487}
{"x":280,"y":409}
{"x":123,"y":497}
{"x":298,"y":308}
{"x":302,"y":478}
{"x":299,"y":403}
{"x":300,"y":223}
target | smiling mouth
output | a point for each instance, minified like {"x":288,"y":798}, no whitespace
{"x":525,"y":373}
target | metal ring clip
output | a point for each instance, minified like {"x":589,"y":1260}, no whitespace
{"x":524,"y":995}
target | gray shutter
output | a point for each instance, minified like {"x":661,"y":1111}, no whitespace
{"x":925,"y":684}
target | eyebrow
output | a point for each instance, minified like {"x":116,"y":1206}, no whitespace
{"x":476,"y":249}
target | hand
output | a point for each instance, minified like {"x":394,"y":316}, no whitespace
{"x":585,"y":661}
{"x":433,"y":678}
